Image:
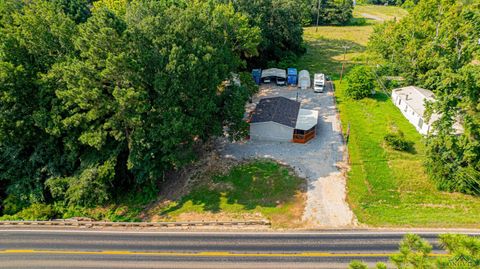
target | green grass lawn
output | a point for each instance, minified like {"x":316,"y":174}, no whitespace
{"x":385,"y":187}
{"x":391,"y":188}
{"x":255,"y":190}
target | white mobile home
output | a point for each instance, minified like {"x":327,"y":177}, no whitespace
{"x":411,"y":101}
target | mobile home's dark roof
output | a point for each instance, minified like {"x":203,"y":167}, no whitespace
{"x":277,"y":109}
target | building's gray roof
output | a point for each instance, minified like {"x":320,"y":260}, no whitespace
{"x":277,"y":109}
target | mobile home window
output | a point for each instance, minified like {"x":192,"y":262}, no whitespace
{"x":420,"y":123}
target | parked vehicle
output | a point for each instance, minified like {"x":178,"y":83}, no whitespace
{"x":319,"y":82}
{"x":274,"y":74}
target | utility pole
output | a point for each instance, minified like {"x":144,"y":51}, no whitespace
{"x":318,"y":15}
{"x":343,"y":63}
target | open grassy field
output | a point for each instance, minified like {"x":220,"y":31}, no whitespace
{"x":255,"y":190}
{"x":385,"y":187}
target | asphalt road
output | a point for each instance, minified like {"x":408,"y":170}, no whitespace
{"x":95,"y":249}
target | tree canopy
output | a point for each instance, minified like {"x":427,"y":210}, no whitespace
{"x":97,"y":98}
{"x":437,"y":47}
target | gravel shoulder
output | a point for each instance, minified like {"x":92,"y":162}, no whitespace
{"x":320,"y":161}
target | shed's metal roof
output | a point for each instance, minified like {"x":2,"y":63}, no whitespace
{"x":277,"y":109}
{"x":307,"y":119}
{"x":274,"y":72}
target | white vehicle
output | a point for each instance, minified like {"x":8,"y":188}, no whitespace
{"x":319,"y":83}
{"x":280,"y":81}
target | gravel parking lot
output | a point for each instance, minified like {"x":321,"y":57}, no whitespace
{"x":320,"y":161}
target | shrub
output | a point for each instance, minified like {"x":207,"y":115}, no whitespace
{"x":37,"y":212}
{"x":361,"y":82}
{"x":397,"y":141}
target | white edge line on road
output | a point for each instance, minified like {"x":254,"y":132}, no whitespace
{"x":403,"y":232}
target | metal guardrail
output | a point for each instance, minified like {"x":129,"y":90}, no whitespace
{"x":73,"y":223}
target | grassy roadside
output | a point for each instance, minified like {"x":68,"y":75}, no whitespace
{"x":255,"y":190}
{"x":391,"y":188}
{"x":385,"y":187}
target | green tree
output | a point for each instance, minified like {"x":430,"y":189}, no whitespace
{"x":415,"y":253}
{"x":33,"y":36}
{"x":89,"y":110}
{"x":145,"y":90}
{"x":361,"y":82}
{"x":280,"y":22}
{"x":78,"y":10}
{"x":435,"y":47}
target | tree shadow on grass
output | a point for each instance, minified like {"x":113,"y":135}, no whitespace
{"x":203,"y":196}
{"x":326,"y":55}
{"x":381,"y":97}
{"x":257,"y":184}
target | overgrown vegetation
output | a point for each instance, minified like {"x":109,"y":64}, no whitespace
{"x":397,"y":141}
{"x":329,"y":12}
{"x":259,"y":189}
{"x":463,"y":251}
{"x":99,"y":98}
{"x":361,"y":82}
{"x":439,"y":54}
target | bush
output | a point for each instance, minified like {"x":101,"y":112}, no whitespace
{"x":37,"y":212}
{"x":361,"y":82}
{"x":357,"y":22}
{"x":397,"y":141}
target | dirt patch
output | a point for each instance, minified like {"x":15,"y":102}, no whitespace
{"x":180,"y":182}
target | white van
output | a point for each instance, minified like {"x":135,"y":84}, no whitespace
{"x":319,"y":82}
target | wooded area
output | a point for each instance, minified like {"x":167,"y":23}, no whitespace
{"x":437,"y":47}
{"x":101,"y":98}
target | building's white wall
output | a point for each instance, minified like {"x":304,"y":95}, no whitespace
{"x":411,"y":116}
{"x":270,"y":131}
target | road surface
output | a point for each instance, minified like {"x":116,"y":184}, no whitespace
{"x":99,"y":249}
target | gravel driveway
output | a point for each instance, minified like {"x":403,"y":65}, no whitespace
{"x":319,"y":160}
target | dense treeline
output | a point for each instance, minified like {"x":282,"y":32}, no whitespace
{"x":337,"y":12}
{"x":403,"y":3}
{"x":437,"y":47}
{"x":100,"y":97}
{"x":281,"y":30}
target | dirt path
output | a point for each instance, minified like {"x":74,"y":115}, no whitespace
{"x":373,"y":17}
{"x":319,"y":161}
